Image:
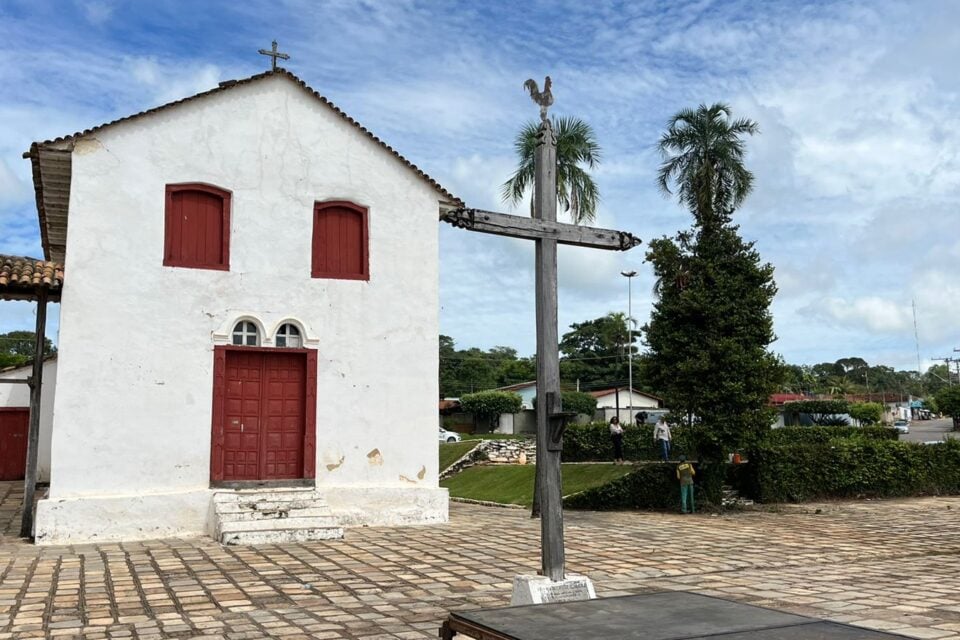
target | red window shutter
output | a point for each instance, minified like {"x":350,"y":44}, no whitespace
{"x":340,"y":241}
{"x":197,"y":227}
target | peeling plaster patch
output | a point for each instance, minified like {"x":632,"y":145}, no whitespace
{"x":374,"y":457}
{"x":331,"y":467}
{"x":84,"y":146}
{"x":422,"y":473}
{"x":406,"y":479}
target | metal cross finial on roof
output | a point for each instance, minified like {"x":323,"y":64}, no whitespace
{"x":274,"y":54}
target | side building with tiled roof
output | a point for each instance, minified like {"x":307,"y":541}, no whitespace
{"x":249,"y":285}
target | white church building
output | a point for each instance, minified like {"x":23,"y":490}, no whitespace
{"x":248,"y":322}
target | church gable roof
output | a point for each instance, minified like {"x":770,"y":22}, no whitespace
{"x":52,"y":171}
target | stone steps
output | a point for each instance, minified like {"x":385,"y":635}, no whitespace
{"x":731,"y":498}
{"x":272,"y":515}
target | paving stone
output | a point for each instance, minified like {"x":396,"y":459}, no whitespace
{"x":886,"y":565}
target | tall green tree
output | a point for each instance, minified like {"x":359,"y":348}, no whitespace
{"x":711,"y":326}
{"x":577,"y":151}
{"x":703,"y":153}
{"x":17,"y":348}
{"x":472,"y":370}
{"x":948,"y":401}
{"x":596,"y":353}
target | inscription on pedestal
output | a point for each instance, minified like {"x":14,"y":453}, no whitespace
{"x":543,"y":590}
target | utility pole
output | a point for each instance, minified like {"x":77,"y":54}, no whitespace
{"x":629,"y":276}
{"x":916,"y":339}
{"x":947,"y":362}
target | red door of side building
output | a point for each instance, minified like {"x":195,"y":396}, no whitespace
{"x":262,"y":423}
{"x":13,"y":442}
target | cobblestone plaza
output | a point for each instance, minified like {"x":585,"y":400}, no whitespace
{"x":890,"y":565}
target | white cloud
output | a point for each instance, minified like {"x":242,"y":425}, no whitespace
{"x":97,"y":12}
{"x":857,"y":197}
{"x":169,"y":81}
{"x":870,"y":312}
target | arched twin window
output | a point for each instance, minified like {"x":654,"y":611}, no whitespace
{"x":288,"y":336}
{"x":247,"y":334}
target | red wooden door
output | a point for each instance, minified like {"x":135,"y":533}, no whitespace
{"x":264,"y":415}
{"x":13,"y":443}
{"x":283,"y":415}
{"x":242,"y":409}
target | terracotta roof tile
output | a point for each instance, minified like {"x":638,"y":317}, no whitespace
{"x":20,"y":277}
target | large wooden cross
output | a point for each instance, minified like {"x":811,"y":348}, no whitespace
{"x":544,"y":229}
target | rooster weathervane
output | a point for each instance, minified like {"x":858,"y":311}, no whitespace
{"x":543,"y":98}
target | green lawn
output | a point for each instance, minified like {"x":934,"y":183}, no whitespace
{"x":513,"y":484}
{"x":450,"y":453}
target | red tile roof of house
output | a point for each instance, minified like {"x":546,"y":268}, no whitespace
{"x":21,"y":278}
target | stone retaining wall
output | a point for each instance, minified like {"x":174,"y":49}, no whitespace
{"x":496,"y":451}
{"x":508,"y":451}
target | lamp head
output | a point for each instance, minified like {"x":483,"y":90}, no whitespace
{"x":628,"y":274}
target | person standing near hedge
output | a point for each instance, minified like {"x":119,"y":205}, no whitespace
{"x":661,"y":437}
{"x":685,"y":473}
{"x":616,"y":435}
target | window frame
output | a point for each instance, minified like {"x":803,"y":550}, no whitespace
{"x":286,"y":335}
{"x":257,"y":333}
{"x":315,"y":271}
{"x":225,"y":198}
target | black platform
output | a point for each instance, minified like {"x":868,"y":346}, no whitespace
{"x":673,"y":615}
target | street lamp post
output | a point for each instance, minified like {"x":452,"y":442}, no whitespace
{"x":629,"y":276}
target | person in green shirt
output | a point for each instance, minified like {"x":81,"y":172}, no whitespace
{"x":685,"y":473}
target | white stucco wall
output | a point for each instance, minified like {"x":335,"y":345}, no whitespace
{"x":638,"y":401}
{"x":133,"y":407}
{"x":18,"y":395}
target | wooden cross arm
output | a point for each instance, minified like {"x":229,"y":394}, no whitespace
{"x":502,"y":224}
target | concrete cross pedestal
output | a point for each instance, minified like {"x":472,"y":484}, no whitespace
{"x":544,"y":229}
{"x":543,"y":590}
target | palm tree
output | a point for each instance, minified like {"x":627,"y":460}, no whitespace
{"x":702,"y":154}
{"x":576,"y":146}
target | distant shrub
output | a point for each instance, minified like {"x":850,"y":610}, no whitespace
{"x":866,"y":413}
{"x":591,"y":442}
{"x":580,"y":402}
{"x":488,"y":405}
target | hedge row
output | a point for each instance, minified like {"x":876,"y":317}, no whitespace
{"x":651,"y":486}
{"x":654,"y":486}
{"x":823,"y":435}
{"x":591,"y":443}
{"x":853,"y":468}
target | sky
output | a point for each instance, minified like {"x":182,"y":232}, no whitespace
{"x":857,"y":163}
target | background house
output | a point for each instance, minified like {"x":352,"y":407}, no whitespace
{"x":14,"y":417}
{"x":629,"y":401}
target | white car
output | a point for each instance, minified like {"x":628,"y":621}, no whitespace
{"x":449,"y":436}
{"x":902,"y":426}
